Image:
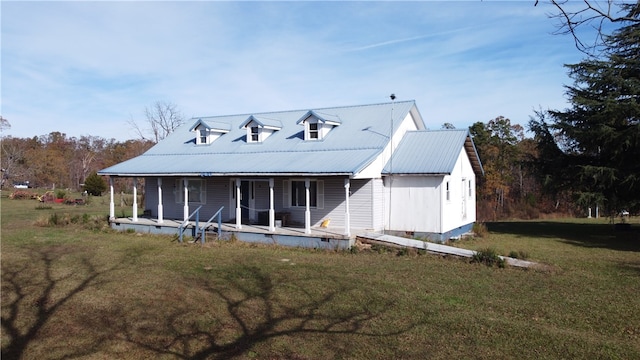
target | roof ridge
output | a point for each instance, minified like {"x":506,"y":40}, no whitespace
{"x":307,"y":109}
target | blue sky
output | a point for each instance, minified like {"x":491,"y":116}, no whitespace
{"x":86,"y":68}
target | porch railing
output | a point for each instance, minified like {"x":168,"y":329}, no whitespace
{"x":201,"y":229}
{"x":185,"y":223}
{"x":218,"y":214}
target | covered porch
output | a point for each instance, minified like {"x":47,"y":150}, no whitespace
{"x":247,"y":204}
{"x":317,"y":237}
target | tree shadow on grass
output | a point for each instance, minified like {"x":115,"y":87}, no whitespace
{"x":585,"y":235}
{"x":35,"y":289}
{"x":253,"y":308}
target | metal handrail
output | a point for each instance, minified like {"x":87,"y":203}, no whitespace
{"x":219,"y":215}
{"x":185,"y":223}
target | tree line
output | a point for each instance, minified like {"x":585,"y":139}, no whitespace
{"x":57,"y":161}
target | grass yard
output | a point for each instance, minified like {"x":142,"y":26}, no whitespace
{"x":78,"y":290}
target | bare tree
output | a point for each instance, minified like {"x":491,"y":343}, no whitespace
{"x":4,"y":124}
{"x":572,"y":17}
{"x":162,"y":118}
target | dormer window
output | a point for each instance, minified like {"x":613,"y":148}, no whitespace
{"x":260,"y":128}
{"x":208,"y":132}
{"x":317,"y":125}
{"x":313,"y":131}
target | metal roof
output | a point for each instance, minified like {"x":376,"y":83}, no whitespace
{"x":432,"y":152}
{"x":347,"y":149}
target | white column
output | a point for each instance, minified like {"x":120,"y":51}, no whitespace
{"x":272,"y":211}
{"x":347,"y":216}
{"x":185,"y":212}
{"x":238,"y":208}
{"x":307,"y":210}
{"x":135,"y":199}
{"x":160,"y":209}
{"x":112,"y":207}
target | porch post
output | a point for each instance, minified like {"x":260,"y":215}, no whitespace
{"x":238,"y":208}
{"x":135,"y":199}
{"x":112,"y":208}
{"x":185,"y":212}
{"x":272,"y":212}
{"x":307,"y":210}
{"x":347,"y":216}
{"x":160,"y":210}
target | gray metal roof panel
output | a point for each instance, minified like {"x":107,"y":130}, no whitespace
{"x":347,"y":148}
{"x":427,"y":152}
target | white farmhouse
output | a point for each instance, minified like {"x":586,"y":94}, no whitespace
{"x":311,"y":177}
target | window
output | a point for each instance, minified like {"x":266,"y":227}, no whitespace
{"x":295,"y":193}
{"x":298,"y":193}
{"x":255,"y":132}
{"x":196,"y":188}
{"x":203,"y":136}
{"x":313,"y":131}
{"x":448,"y":192}
{"x":470,"y":188}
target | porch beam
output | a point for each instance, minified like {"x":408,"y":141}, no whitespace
{"x":238,"y":208}
{"x":347,"y":215}
{"x":135,"y":199}
{"x":160,"y":208}
{"x":272,"y":211}
{"x":307,"y":210}
{"x":112,"y":207}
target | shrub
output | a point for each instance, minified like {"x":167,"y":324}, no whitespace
{"x":480,"y":229}
{"x":60,"y":194}
{"x":489,"y":257}
{"x":21,"y":195}
{"x":523,"y":255}
{"x":95,"y":184}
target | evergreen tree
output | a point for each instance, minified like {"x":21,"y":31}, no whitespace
{"x":593,"y":148}
{"x":95,"y":184}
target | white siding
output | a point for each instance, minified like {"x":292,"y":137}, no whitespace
{"x":378,"y":204}
{"x":375,"y":168}
{"x":415,"y":203}
{"x":454,"y":209}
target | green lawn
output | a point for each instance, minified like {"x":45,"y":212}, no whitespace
{"x":80,"y":291}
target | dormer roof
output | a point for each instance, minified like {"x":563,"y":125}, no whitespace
{"x":211,"y":126}
{"x":322,"y":117}
{"x":263,"y":122}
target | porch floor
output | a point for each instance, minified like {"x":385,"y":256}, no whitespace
{"x":316,"y":232}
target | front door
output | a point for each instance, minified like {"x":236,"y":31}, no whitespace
{"x":245,"y":195}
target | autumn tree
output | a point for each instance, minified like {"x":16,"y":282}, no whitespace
{"x":508,"y":181}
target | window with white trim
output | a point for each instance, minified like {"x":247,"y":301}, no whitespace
{"x":255,"y":134}
{"x":470,"y":187}
{"x":313,"y":131}
{"x":295,"y":193}
{"x":204,"y":136}
{"x":196,"y":188}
